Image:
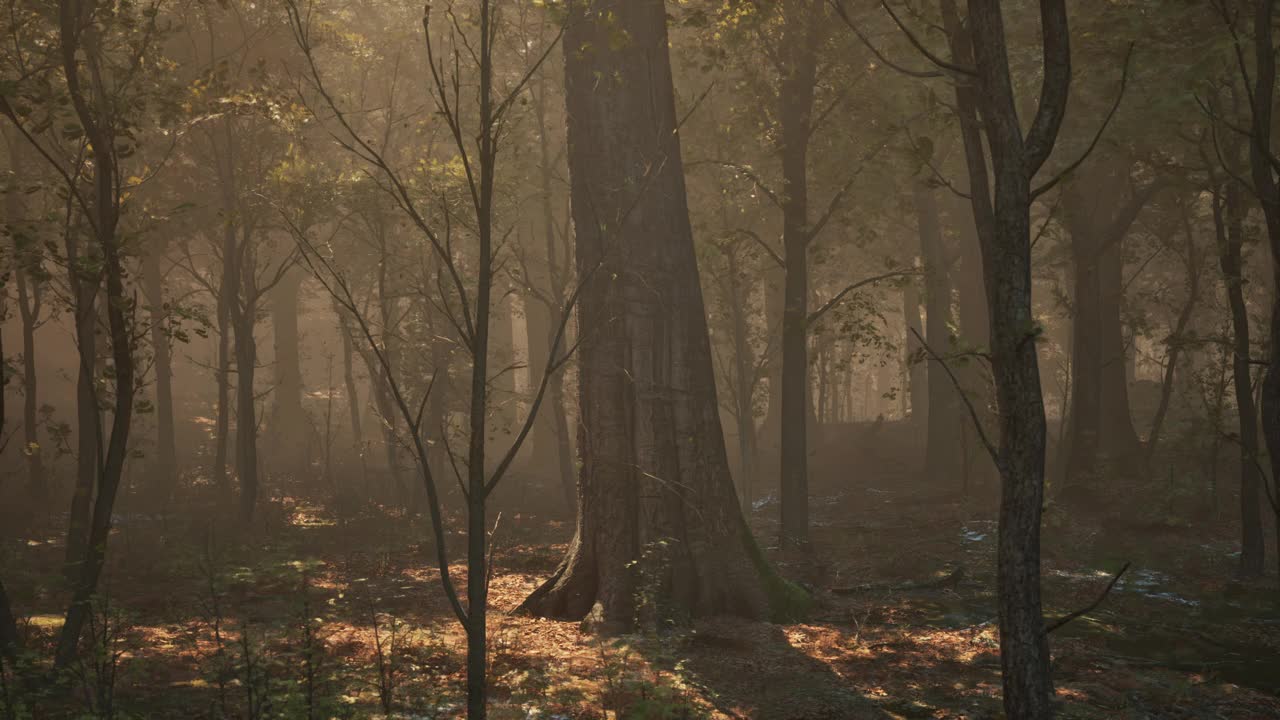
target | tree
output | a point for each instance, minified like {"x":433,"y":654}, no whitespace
{"x":657,"y":515}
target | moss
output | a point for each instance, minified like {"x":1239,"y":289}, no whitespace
{"x":788,"y":602}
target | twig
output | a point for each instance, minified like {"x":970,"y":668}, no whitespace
{"x":1088,"y":608}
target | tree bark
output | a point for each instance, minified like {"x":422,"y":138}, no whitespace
{"x":1261,"y":157}
{"x":798,"y":53}
{"x":1002,"y":213}
{"x":1228,"y":220}
{"x":659,"y":532}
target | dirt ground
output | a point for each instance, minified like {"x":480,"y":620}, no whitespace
{"x":333,"y":609}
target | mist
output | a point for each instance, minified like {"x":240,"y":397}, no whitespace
{"x":639,"y":359}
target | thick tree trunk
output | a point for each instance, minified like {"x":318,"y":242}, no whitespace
{"x":1228,"y":219}
{"x":657,"y":517}
{"x":1098,"y":215}
{"x":798,"y":50}
{"x":166,"y":466}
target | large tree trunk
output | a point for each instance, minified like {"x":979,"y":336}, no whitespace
{"x":166,"y":467}
{"x":657,"y":514}
{"x":1098,"y":215}
{"x":798,"y":52}
{"x":1228,"y":219}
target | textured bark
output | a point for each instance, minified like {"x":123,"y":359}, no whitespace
{"x":659,"y":532}
{"x":1002,"y":212}
{"x":1228,"y":219}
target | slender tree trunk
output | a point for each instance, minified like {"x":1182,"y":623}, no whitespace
{"x":349,"y":377}
{"x":1002,"y":212}
{"x":106,"y":208}
{"x":915,"y":371}
{"x":651,"y":504}
{"x":246,"y":408}
{"x":28,"y":257}
{"x":944,"y":421}
{"x":1228,"y":219}
{"x":1261,"y":157}
{"x":166,"y":446}
{"x":222,"y":424}
{"x":29,"y":304}
{"x":1177,"y":338}
{"x":84,"y":291}
{"x":290,"y":427}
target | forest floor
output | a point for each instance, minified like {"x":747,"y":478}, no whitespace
{"x":204,"y":624}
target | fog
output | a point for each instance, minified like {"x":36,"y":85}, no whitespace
{"x":631,"y":359}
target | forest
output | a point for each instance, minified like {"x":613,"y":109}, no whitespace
{"x":639,"y":359}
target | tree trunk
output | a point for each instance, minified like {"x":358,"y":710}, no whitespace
{"x":659,"y":532}
{"x":915,"y":371}
{"x":246,"y":409}
{"x":106,"y":209}
{"x":84,"y":292}
{"x":290,"y":428}
{"x":1177,"y":338}
{"x":28,"y":258}
{"x":349,"y":377}
{"x":1002,"y":213}
{"x":166,"y":467}
{"x":1228,"y":220}
{"x":798,"y":50}
{"x":942,"y":455}
{"x":222,"y":425}
{"x":29,"y":305}
{"x":1261,"y":157}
